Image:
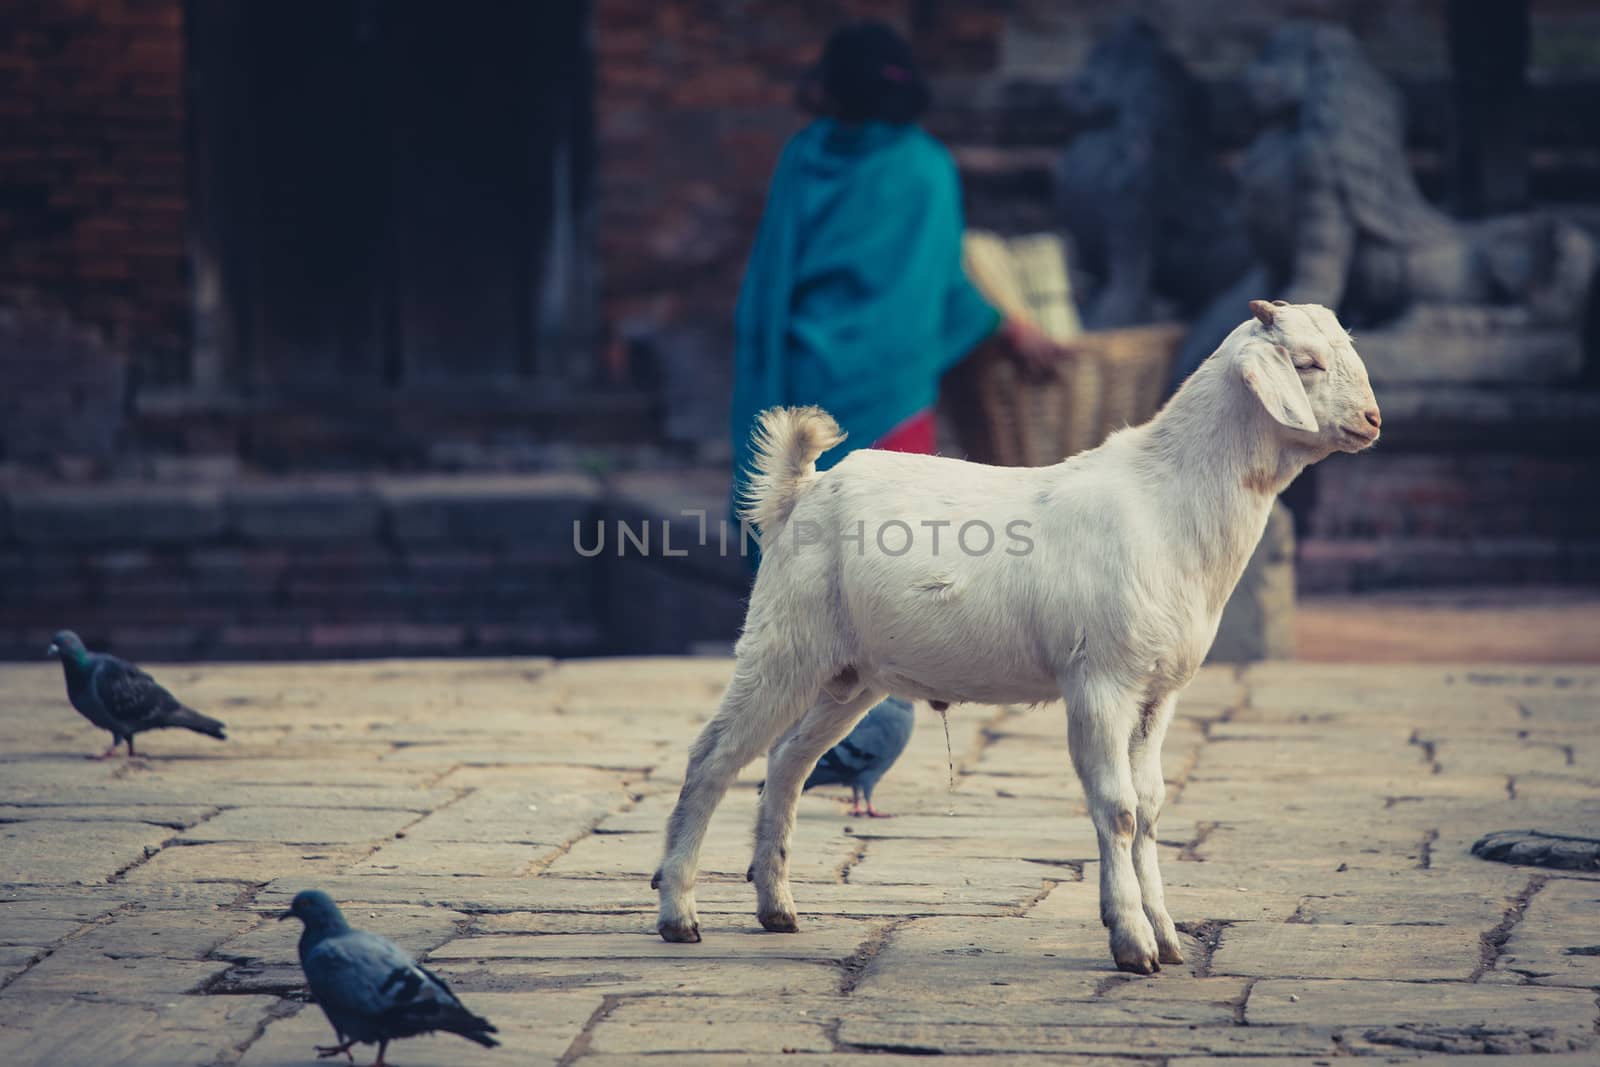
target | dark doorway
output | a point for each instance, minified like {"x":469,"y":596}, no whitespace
{"x":390,"y":195}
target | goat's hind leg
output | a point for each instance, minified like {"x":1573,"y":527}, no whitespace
{"x":752,"y":714}
{"x":791,"y":760}
{"x":1151,"y":788}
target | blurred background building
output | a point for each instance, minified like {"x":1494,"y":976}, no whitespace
{"x":322,"y":322}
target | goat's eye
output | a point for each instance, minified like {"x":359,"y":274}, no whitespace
{"x":1304,"y":361}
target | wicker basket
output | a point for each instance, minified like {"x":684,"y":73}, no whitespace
{"x":1110,"y":379}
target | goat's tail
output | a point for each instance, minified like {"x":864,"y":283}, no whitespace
{"x":786,"y":444}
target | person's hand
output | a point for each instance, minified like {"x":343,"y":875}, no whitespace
{"x":1037,"y":351}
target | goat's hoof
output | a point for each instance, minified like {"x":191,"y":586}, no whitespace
{"x":1168,"y":948}
{"x":780,"y":922}
{"x":1135,"y":950}
{"x":681,"y":933}
{"x":1139,"y":966}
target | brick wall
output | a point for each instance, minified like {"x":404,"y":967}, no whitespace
{"x":332,"y":567}
{"x":1390,"y":519}
{"x":92,"y":168}
{"x":62,"y":392}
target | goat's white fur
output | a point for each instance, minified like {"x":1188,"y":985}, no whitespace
{"x":1131,"y":551}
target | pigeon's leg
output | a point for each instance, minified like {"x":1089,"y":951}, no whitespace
{"x":1101,"y":717}
{"x":872,"y":812}
{"x":1151,"y":789}
{"x":328,"y":1051}
{"x":825,"y":724}
{"x":755,"y":709}
{"x":112,"y":751}
{"x":855,"y":800}
{"x":130,"y":746}
{"x":380,"y":1062}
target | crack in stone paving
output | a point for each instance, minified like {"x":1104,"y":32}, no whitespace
{"x":1190,"y":852}
{"x":1222,"y":718}
{"x":542,"y":864}
{"x":1429,"y":751}
{"x":857,"y":855}
{"x":1239,"y":1003}
{"x":1493,"y":942}
{"x":1209,"y":934}
{"x":1110,"y":982}
{"x":1176,"y":786}
{"x":431,"y":783}
{"x":580,"y":1044}
{"x":460,"y":794}
{"x":988,"y":732}
{"x":1021,"y":909}
{"x":151,"y":852}
{"x":855,"y":967}
{"x":282,"y":1009}
{"x":1425,"y":850}
{"x":1226,"y":715}
{"x":46,"y":951}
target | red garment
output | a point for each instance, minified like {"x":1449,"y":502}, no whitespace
{"x":918,"y":435}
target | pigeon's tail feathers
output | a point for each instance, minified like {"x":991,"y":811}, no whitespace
{"x":786,"y":444}
{"x":475,"y":1028}
{"x":481,"y":1037}
{"x":190,"y":719}
{"x":831,"y":769}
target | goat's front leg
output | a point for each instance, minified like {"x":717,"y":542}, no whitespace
{"x":752,"y":714}
{"x":1100,"y":724}
{"x":1151,"y":789}
{"x":791,"y":760}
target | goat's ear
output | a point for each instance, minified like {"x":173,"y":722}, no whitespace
{"x":1271,"y":376}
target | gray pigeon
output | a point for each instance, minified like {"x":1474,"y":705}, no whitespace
{"x":117,"y":696}
{"x":369,"y":989}
{"x":867,"y":753}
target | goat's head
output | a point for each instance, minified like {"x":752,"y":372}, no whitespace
{"x":1300,"y":364}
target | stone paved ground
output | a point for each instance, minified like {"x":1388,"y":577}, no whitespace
{"x":503,"y":817}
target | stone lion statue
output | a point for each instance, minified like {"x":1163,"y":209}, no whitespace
{"x":1337,"y":218}
{"x":1152,"y":216}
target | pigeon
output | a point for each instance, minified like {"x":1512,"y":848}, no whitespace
{"x":117,"y":696}
{"x":368,"y":987}
{"x":870,"y":750}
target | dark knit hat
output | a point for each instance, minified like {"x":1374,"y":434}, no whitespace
{"x":867,"y":73}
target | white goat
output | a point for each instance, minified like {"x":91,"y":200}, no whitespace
{"x":1100,"y":579}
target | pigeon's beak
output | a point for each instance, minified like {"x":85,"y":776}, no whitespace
{"x":53,"y":650}
{"x":286,"y":915}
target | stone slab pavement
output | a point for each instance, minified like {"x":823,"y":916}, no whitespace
{"x":502,"y":818}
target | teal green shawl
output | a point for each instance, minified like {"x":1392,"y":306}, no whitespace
{"x":854,"y":298}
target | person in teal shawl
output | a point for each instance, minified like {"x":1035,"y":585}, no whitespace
{"x":854,"y":298}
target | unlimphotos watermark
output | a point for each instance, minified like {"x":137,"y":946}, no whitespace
{"x":891,"y":537}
